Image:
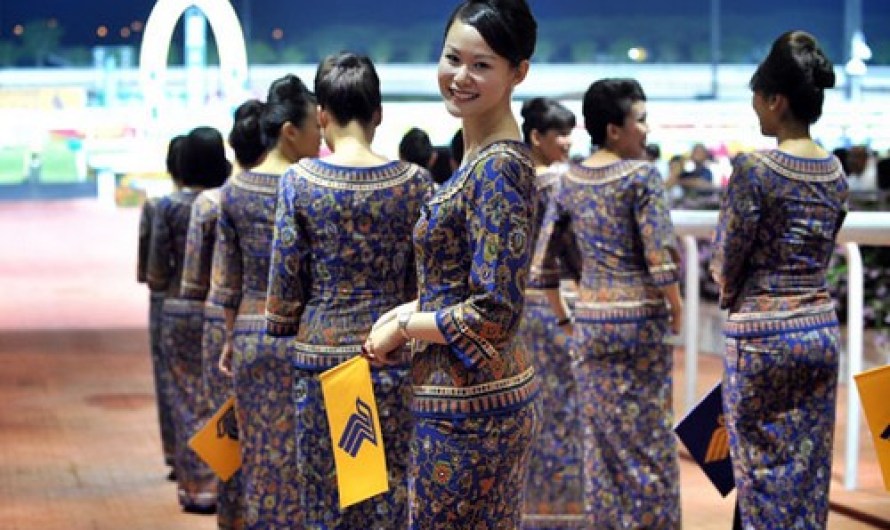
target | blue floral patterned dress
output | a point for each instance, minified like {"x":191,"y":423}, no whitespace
{"x":342,"y":256}
{"x":553,"y":491}
{"x":160,"y":369}
{"x":777,"y":230}
{"x":621,"y":235}
{"x":474,"y":398}
{"x":217,"y":386}
{"x":261,"y":364}
{"x":182,"y":326}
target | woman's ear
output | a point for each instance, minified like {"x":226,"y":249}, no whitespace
{"x":521,"y":71}
{"x":535,"y":138}
{"x":323,"y":118}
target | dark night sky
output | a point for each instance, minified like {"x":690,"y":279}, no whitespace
{"x":80,"y":18}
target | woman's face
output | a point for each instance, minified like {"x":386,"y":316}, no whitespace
{"x":308,"y":140}
{"x":473,"y":79}
{"x":554,"y":145}
{"x":765,"y":114}
{"x":630,"y":138}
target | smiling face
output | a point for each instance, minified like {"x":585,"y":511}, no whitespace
{"x":473,"y":79}
{"x":552,"y":146}
{"x":629,"y":140}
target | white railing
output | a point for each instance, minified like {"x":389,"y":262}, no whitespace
{"x":860,"y":228}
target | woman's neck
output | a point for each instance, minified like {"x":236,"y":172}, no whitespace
{"x":796,"y":141}
{"x":275,"y":163}
{"x":485,"y":129}
{"x":351,"y":146}
{"x":602,"y":157}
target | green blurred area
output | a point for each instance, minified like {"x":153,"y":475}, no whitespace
{"x":57,"y":163}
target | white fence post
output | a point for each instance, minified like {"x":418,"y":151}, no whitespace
{"x":855,"y":323}
{"x":690,"y":319}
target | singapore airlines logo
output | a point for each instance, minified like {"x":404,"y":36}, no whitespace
{"x":227,"y":425}
{"x":718,"y":448}
{"x":886,"y":434}
{"x":359,"y":428}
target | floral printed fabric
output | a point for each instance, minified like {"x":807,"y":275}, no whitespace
{"x":612,"y":229}
{"x":776,"y":233}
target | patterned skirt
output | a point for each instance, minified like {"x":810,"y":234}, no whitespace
{"x":779,"y":397}
{"x":553,"y":492}
{"x":217,"y":389}
{"x":182,"y":325}
{"x":162,"y":377}
{"x":264,"y":381}
{"x":470,"y":473}
{"x":315,"y":457}
{"x":631,"y":472}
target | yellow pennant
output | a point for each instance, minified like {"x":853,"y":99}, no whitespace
{"x":355,"y":431}
{"x":217,"y":441}
{"x":873,"y":385}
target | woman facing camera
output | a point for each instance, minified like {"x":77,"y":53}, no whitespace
{"x":777,"y":229}
{"x":473,"y":379}
{"x":612,"y":229}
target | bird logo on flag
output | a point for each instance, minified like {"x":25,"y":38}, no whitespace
{"x":359,"y":428}
{"x":227,"y":425}
{"x":886,"y":434}
{"x":718,"y":448}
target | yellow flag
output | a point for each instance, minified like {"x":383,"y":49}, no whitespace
{"x":217,"y":441}
{"x":355,"y":431}
{"x":873,"y":391}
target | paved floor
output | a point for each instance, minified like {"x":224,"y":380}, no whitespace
{"x":79,"y":447}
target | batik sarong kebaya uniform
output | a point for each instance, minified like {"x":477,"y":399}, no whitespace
{"x":474,"y":397}
{"x":182,"y":325}
{"x":617,"y":218}
{"x":777,"y":230}
{"x":160,"y":369}
{"x":217,"y":386}
{"x":343,"y":256}
{"x":261,"y":364}
{"x":553,"y":494}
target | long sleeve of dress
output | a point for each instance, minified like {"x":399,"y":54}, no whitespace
{"x":160,"y":250}
{"x":289,"y":278}
{"x":499,"y":214}
{"x":199,"y":243}
{"x":736,"y":228}
{"x":145,"y":222}
{"x":226,"y":278}
{"x":656,"y":229}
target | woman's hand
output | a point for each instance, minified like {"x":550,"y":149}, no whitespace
{"x":384,"y":343}
{"x":225,"y":358}
{"x":393,"y":313}
{"x":677,"y":318}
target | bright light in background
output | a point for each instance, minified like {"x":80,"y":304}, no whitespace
{"x":52,"y":23}
{"x":136,"y":26}
{"x":125,"y":32}
{"x":18,"y":30}
{"x":277,"y":33}
{"x":637,"y":54}
{"x":102,"y":32}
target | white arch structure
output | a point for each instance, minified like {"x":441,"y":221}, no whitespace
{"x":158,"y":33}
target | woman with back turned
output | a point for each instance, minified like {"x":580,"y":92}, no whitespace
{"x":341,"y":256}
{"x":553,"y":495}
{"x":612,"y":228}
{"x":778,"y":223}
{"x":473,"y":378}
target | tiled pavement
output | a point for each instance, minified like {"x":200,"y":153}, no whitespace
{"x":79,"y":447}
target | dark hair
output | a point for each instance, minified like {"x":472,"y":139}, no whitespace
{"x":246,"y":137}
{"x":202,"y":158}
{"x":508,"y":26}
{"x":456,"y":147}
{"x":798,"y":69}
{"x":441,"y":168}
{"x":609,"y":101}
{"x":288,"y":101}
{"x":416,"y":147}
{"x":173,"y":149}
{"x":543,"y":114}
{"x":347,"y":86}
